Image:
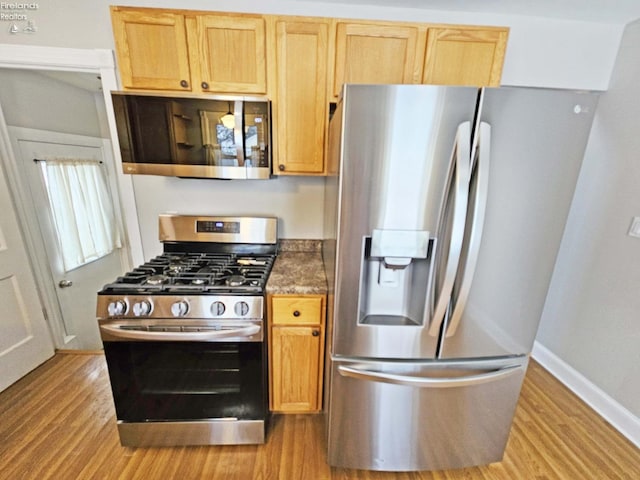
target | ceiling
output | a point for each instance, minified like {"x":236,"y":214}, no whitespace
{"x":599,"y":11}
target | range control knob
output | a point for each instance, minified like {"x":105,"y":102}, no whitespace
{"x":142,"y":308}
{"x":217,"y":309}
{"x":119,"y":307}
{"x":241,"y":309}
{"x":180,"y":308}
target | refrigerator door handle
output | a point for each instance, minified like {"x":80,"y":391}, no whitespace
{"x":428,"y":382}
{"x":457,"y":179}
{"x":480,"y":166}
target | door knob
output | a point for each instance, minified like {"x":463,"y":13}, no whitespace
{"x":65,"y":283}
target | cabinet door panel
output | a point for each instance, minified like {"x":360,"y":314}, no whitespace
{"x":296,"y":356}
{"x":301,"y":107}
{"x":152,"y":50}
{"x":374,"y":54}
{"x":465,"y":56}
{"x":232,"y":53}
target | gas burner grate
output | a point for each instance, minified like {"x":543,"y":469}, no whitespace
{"x":197,"y":273}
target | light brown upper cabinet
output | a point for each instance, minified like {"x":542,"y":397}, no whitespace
{"x":300,"y":63}
{"x":377,"y":53}
{"x":230,"y":54}
{"x":389,"y":53}
{"x":465,"y":56}
{"x":301,"y":107}
{"x":151,"y":47}
{"x":192,"y":52}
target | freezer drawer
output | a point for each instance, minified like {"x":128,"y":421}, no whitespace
{"x":410,"y":416}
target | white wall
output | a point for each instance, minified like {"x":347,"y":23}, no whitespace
{"x":32,"y":100}
{"x":297,"y":202}
{"x":557,"y":54}
{"x":592,"y":315}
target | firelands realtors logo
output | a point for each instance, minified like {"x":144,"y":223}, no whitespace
{"x":18,"y":16}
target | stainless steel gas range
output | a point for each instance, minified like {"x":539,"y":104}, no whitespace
{"x":184,"y":334}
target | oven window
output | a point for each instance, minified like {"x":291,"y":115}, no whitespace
{"x":187,"y":380}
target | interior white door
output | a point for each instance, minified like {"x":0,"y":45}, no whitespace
{"x":75,"y":290}
{"x":25,"y":340}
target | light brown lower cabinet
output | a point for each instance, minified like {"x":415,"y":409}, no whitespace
{"x":296,"y":352}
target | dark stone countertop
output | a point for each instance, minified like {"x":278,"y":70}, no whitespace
{"x":298,"y":269}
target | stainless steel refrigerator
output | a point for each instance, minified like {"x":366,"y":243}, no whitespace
{"x":445,"y":207}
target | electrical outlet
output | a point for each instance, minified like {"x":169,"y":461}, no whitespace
{"x":634,"y":229}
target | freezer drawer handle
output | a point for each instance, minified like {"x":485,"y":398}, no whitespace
{"x":116,"y":331}
{"x":428,"y":382}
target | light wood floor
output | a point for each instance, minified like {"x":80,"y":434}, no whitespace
{"x":58,"y":422}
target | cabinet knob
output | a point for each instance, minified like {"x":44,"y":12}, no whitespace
{"x":315,"y":333}
{"x":281,"y":167}
{"x":296,"y":313}
{"x":184,"y":84}
{"x":204,"y":85}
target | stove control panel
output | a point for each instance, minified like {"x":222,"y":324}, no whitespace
{"x":177,"y":306}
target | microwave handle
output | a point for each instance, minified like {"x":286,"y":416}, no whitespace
{"x":238,"y":130}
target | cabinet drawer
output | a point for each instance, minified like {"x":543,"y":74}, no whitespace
{"x":297,"y":310}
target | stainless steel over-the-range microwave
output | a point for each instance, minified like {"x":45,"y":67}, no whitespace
{"x":194,"y":136}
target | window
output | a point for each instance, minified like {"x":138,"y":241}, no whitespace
{"x":81,"y":208}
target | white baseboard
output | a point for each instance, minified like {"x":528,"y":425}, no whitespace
{"x":614,"y":413}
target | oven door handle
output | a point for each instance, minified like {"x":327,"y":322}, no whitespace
{"x":114,"y":330}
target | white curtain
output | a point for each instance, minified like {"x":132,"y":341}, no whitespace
{"x":82,"y":210}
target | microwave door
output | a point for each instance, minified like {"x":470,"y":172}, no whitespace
{"x":194,"y":136}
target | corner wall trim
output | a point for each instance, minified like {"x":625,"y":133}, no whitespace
{"x":614,"y":413}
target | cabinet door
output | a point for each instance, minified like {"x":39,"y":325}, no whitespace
{"x":301,"y":107}
{"x":465,"y":56}
{"x":232,"y":53}
{"x":375,"y":54}
{"x":151,"y":47}
{"x":295,"y":369}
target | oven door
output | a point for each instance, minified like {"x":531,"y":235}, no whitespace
{"x":187,"y":370}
